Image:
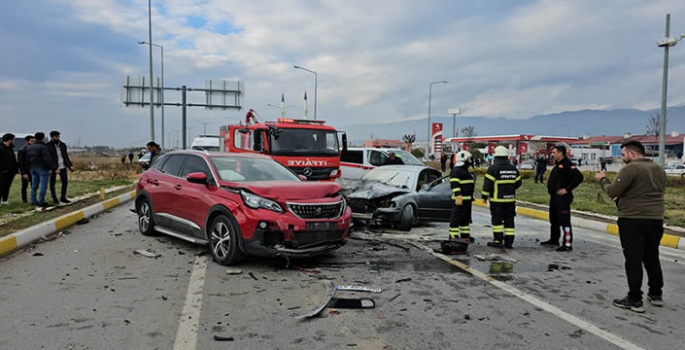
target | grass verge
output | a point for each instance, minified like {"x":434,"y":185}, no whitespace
{"x":37,"y":218}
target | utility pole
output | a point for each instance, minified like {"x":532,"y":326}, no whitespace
{"x":664,"y":93}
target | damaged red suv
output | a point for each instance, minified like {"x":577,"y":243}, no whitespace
{"x":240,"y":204}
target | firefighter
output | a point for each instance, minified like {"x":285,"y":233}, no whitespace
{"x":564,"y":177}
{"x":501,"y":182}
{"x":462,"y":185}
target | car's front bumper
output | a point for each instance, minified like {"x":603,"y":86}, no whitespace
{"x":267,"y":233}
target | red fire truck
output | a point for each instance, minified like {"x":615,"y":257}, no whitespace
{"x":308,"y":147}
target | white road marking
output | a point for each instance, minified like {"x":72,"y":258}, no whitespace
{"x":620,"y":342}
{"x":188,"y":323}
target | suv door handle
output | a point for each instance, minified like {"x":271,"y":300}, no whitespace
{"x":153,"y":181}
{"x":178,"y":187}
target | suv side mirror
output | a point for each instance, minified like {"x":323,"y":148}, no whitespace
{"x":197,"y":178}
{"x":425,"y":187}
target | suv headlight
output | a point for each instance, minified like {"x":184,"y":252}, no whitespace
{"x":334,"y":172}
{"x":255,"y":202}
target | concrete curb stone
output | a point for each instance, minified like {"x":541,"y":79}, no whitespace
{"x":27,"y":236}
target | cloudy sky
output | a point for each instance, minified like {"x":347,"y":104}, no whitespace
{"x":63,"y":61}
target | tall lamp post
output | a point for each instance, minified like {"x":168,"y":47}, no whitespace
{"x":454,"y":112}
{"x":666,"y":42}
{"x":162,"y":82}
{"x":282,"y":108}
{"x":204,"y":125}
{"x":316,"y":77}
{"x":152,"y":107}
{"x":430,"y":96}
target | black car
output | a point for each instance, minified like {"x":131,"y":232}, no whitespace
{"x":400,"y":196}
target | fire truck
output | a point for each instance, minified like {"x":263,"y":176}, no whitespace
{"x":309,"y":147}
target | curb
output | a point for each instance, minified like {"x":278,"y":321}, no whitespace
{"x":667,"y":240}
{"x":20,"y":239}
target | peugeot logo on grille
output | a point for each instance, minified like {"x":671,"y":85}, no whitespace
{"x":318,"y":211}
{"x":307,"y":172}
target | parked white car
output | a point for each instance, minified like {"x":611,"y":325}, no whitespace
{"x":675,"y":170}
{"x":356,"y":162}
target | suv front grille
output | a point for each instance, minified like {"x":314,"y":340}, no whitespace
{"x":317,"y":211}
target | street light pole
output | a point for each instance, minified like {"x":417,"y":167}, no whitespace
{"x":152,"y":106}
{"x":430,"y":96}
{"x":664,"y":93}
{"x":316,"y":78}
{"x":204,"y":125}
{"x":162,"y":84}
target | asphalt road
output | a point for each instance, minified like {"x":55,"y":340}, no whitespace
{"x":87,"y":290}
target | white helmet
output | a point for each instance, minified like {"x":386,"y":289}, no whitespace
{"x":501,"y":151}
{"x":462,"y":157}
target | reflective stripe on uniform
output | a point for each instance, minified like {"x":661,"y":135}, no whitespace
{"x":458,"y":180}
{"x":487,"y":194}
{"x":457,"y":189}
{"x":497,"y":228}
{"x":466,"y":198}
{"x":509,"y":231}
{"x":464,"y":229}
{"x":500,"y":200}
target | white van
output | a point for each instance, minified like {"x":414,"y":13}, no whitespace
{"x":211,"y":143}
{"x":356,"y":162}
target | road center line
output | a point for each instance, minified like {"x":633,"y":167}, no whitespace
{"x":188,"y":323}
{"x":620,"y":342}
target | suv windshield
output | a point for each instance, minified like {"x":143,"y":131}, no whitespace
{"x":309,"y":142}
{"x":248,"y":169}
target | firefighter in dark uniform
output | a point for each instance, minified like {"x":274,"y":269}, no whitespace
{"x":462,"y":185}
{"x":564,"y":177}
{"x":501,"y":182}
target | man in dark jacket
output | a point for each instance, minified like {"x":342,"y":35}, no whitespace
{"x":639,"y":190}
{"x":8,"y":167}
{"x":393,"y":159}
{"x":500,"y":185}
{"x":563,"y":179}
{"x":462,"y":185}
{"x":60,"y":158}
{"x":443,"y":162}
{"x":540,"y":168}
{"x":42,"y":166}
{"x":25,"y":166}
{"x":154,"y":149}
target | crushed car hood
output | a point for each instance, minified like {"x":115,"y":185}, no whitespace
{"x":289,"y":190}
{"x":369,"y":189}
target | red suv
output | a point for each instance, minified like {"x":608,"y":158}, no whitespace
{"x":240,"y":204}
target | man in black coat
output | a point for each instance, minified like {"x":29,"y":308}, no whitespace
{"x":25,"y":166}
{"x":42,"y":166}
{"x":60,"y":158}
{"x":8,"y":167}
{"x":540,"y":168}
{"x":563,"y":179}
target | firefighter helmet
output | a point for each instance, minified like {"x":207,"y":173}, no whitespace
{"x":462,"y":157}
{"x":501,"y":151}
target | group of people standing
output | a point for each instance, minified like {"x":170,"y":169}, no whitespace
{"x":638,"y":191}
{"x":38,"y":162}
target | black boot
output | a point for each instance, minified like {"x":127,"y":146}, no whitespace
{"x":498,"y":241}
{"x":550,"y":242}
{"x":509,"y":242}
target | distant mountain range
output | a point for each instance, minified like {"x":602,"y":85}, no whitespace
{"x":578,"y":123}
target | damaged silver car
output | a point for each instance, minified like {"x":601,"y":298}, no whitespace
{"x":399,"y":196}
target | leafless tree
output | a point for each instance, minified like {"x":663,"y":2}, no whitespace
{"x":654,"y":125}
{"x":468,"y":132}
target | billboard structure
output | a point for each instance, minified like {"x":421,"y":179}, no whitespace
{"x":219,"y":94}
